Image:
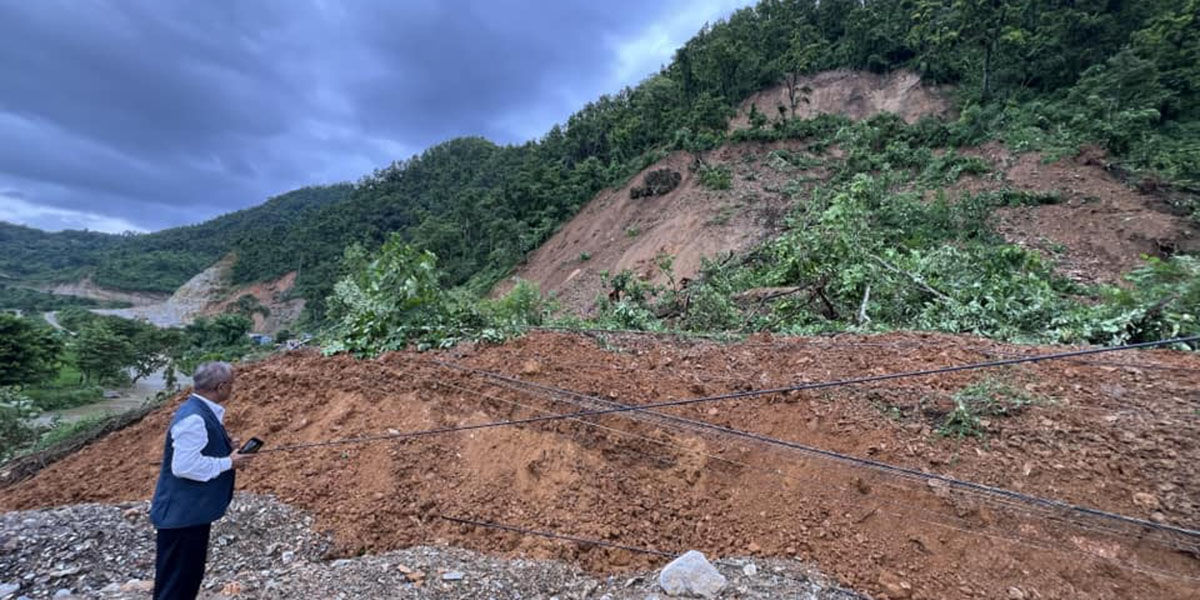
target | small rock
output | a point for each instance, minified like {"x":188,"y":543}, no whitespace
{"x":452,"y":575}
{"x":893,"y":586}
{"x":138,"y":585}
{"x":750,"y":570}
{"x":63,"y":593}
{"x":7,"y":589}
{"x":288,"y":556}
{"x":691,"y":575}
{"x":341,"y":562}
{"x":1015,"y":593}
{"x":754,"y":548}
{"x":111,"y":588}
{"x":1146,"y":501}
{"x":233,"y":588}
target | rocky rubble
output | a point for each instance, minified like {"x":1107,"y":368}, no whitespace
{"x":265,"y":549}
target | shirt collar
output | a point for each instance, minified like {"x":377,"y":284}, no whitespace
{"x":217,"y":409}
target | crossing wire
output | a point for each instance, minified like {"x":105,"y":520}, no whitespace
{"x":907,"y":510}
{"x":776,"y":472}
{"x":1013,"y":499}
{"x":863,"y":462}
{"x":830,"y":342}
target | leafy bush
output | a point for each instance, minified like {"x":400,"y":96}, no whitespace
{"x":392,"y":300}
{"x":15,"y":431}
{"x":718,"y":177}
{"x":980,"y":400}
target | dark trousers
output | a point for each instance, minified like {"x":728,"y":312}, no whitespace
{"x":179,"y":564}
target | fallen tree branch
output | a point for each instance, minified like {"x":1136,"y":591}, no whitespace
{"x":914,"y":278}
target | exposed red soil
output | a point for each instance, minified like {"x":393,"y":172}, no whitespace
{"x":615,"y":232}
{"x":273,"y":296}
{"x":1102,"y":227}
{"x":1117,"y":438}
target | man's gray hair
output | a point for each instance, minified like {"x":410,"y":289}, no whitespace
{"x":209,"y":375}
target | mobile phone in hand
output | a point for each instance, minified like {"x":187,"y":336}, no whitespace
{"x":251,"y":446}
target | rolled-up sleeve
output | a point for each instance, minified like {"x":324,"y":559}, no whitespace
{"x":188,"y":439}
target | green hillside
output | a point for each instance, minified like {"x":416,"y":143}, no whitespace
{"x":1034,"y":74}
{"x":163,"y":260}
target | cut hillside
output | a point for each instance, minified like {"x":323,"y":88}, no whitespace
{"x":853,"y":94}
{"x":211,"y":292}
{"x":615,"y":232}
{"x":1114,"y":435}
{"x":1096,"y":229}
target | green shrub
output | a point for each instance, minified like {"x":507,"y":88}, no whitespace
{"x":16,"y":433}
{"x":980,"y":400}
{"x":718,"y":177}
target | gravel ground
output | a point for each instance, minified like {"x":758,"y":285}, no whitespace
{"x":265,"y":549}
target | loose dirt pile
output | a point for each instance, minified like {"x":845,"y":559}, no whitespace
{"x":1113,"y":437}
{"x":1100,"y":229}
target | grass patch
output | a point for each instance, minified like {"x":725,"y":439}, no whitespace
{"x":981,"y":400}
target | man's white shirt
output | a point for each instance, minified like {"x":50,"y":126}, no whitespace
{"x":188,"y":439}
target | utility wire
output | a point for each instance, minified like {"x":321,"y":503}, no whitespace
{"x":1098,"y":530}
{"x":881,"y":466}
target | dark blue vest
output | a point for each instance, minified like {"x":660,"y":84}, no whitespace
{"x":182,"y":502}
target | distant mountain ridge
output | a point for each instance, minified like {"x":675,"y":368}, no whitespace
{"x":160,"y":261}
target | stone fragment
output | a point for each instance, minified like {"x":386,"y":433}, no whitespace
{"x":893,"y":586}
{"x":750,"y":570}
{"x":691,"y":575}
{"x":452,"y":575}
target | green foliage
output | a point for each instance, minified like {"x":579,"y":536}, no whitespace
{"x":981,"y":400}
{"x":392,"y":300}
{"x":15,"y":431}
{"x":62,"y":431}
{"x":718,"y":177}
{"x":103,"y":353}
{"x":522,"y":306}
{"x":29,"y":352}
{"x":1162,"y":301}
{"x":223,"y":337}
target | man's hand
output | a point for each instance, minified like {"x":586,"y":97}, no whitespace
{"x":240,"y":460}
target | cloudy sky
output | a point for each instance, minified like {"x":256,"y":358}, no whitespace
{"x":144,"y":114}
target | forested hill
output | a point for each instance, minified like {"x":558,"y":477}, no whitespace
{"x":163,"y":260}
{"x":1033,"y":74}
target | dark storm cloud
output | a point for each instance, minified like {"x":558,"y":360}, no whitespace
{"x":145,"y":114}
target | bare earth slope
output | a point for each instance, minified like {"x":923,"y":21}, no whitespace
{"x":854,"y":94}
{"x":1117,"y":438}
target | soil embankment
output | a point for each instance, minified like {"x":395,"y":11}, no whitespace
{"x":1102,"y":434}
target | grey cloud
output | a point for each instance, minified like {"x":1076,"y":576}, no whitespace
{"x":166,"y":112}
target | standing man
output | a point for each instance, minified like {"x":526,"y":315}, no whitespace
{"x":195,"y":483}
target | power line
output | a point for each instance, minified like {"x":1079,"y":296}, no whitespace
{"x":877,"y":465}
{"x":987,"y":491}
{"x":532,"y":390}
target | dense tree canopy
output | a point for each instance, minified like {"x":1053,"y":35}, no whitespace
{"x":28,"y":353}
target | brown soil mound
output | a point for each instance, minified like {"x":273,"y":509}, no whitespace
{"x":615,"y":232}
{"x":855,"y":94}
{"x":1102,"y":227}
{"x":1117,"y":438}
